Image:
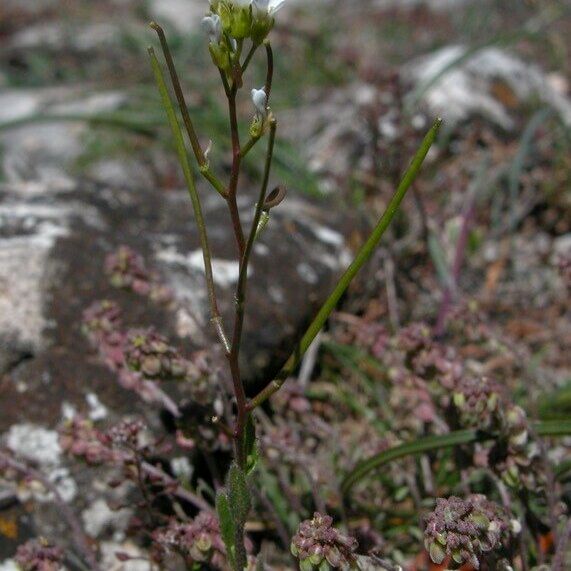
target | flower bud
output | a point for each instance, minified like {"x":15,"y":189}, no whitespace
{"x":241,"y":25}
{"x":220,"y":56}
{"x":464,"y":530}
{"x":319,"y":546}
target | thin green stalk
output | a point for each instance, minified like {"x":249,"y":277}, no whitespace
{"x":270,"y":70}
{"x":243,"y":276}
{"x":249,"y":145}
{"x":440,"y":442}
{"x":189,"y":179}
{"x":193,"y":137}
{"x":235,"y":174}
{"x":362,"y":257}
{"x":241,"y":288}
{"x":249,"y":57}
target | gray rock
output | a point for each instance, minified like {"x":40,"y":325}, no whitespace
{"x":183,"y":15}
{"x":28,"y":6}
{"x":55,"y":232}
{"x":44,"y":151}
{"x":459,"y":86}
{"x":58,"y":36}
{"x":436,"y":5}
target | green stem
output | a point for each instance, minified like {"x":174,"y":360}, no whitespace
{"x":193,"y":137}
{"x":433,"y":443}
{"x":189,"y":179}
{"x":241,"y":290}
{"x":235,"y":174}
{"x":249,"y":145}
{"x":362,"y":257}
{"x":249,"y":57}
{"x":270,"y":71}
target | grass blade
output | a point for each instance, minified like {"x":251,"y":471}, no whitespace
{"x":362,"y":257}
{"x":431,"y":443}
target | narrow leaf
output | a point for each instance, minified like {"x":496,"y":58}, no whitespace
{"x":430,"y":443}
{"x":238,"y":494}
{"x":360,"y":260}
{"x":227,"y":529}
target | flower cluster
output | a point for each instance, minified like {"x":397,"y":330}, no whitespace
{"x":230,"y":21}
{"x":101,"y":319}
{"x":126,"y":270}
{"x":318,"y":545}
{"x":502,"y":526}
{"x":141,"y":357}
{"x":115,"y":445}
{"x":39,"y":555}
{"x":102,"y":325}
{"x":198,"y":541}
{"x":150,"y":354}
{"x":463,"y":531}
{"x":79,"y":438}
{"x":426,"y":358}
{"x":516,"y":457}
{"x":126,"y":434}
{"x":412,"y":403}
{"x":476,"y":402}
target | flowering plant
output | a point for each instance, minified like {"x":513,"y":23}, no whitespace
{"x":236,"y":30}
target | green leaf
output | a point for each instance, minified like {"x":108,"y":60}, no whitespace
{"x":239,"y":506}
{"x":430,"y":443}
{"x":251,"y":452}
{"x":238,"y":494}
{"x":227,"y":528}
{"x":438,"y":257}
{"x":361,"y":258}
{"x":437,"y":553}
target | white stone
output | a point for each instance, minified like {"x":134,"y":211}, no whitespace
{"x":64,"y":483}
{"x":182,"y":468}
{"x":458,"y":85}
{"x":34,"y":443}
{"x":226,"y":272}
{"x":97,"y":410}
{"x":98,"y":517}
{"x":110,"y":563}
{"x":184,"y":15}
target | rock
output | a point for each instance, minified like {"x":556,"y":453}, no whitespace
{"x":59,"y":36}
{"x":53,"y":243}
{"x":56,"y":231}
{"x":28,"y":6}
{"x":436,"y":5}
{"x":99,"y":517}
{"x":44,"y":151}
{"x":330,"y":129}
{"x":110,"y":562}
{"x":183,"y":15}
{"x":491,"y":83}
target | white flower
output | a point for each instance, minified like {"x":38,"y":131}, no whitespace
{"x":213,"y":27}
{"x":260,"y":100}
{"x":269,"y":7}
{"x":241,"y":3}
